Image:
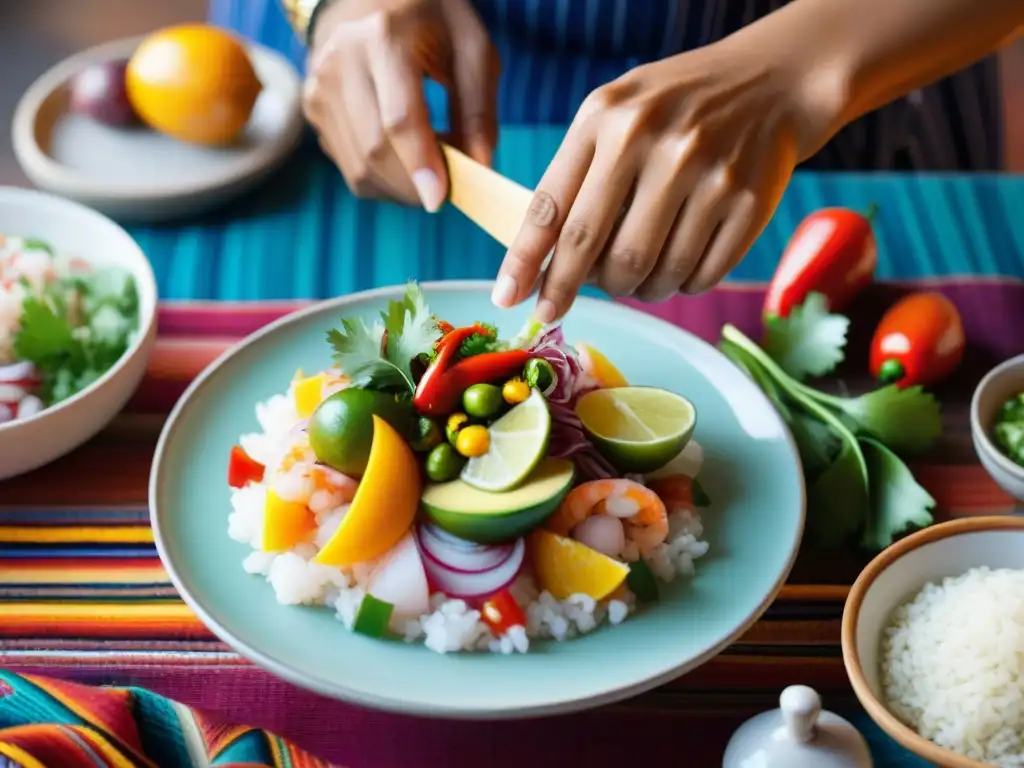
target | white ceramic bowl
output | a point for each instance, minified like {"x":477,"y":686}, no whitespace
{"x":999,"y":385}
{"x":895,"y":576}
{"x":76,"y":230}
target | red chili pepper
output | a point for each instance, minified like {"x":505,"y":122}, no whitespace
{"x":442,"y":385}
{"x":243,"y":469}
{"x":920,"y":340}
{"x":832,"y":252}
{"x":501,"y":612}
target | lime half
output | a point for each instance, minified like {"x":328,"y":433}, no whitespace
{"x":519,"y":440}
{"x":638,"y":429}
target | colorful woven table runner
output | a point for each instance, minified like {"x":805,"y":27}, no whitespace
{"x":83,"y":596}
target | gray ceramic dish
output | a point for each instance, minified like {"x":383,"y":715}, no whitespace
{"x":1001,"y":383}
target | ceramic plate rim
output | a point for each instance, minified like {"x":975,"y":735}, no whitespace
{"x":145,"y":284}
{"x":35,"y":162}
{"x":395,"y":703}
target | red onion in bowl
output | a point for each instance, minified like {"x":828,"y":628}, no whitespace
{"x":474,"y":585}
{"x":12,"y":393}
{"x":100,"y":91}
{"x":29,"y":406}
{"x":459,"y":555}
{"x":6,"y":413}
{"x":18,"y":373}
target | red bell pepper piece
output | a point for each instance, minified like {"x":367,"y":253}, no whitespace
{"x":501,"y":612}
{"x":832,"y":252}
{"x":243,"y":469}
{"x":442,"y":385}
{"x":920,"y":340}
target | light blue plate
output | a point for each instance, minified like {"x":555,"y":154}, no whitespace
{"x":751,"y":472}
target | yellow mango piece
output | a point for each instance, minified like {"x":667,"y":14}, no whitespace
{"x":565,"y":567}
{"x":308,"y":393}
{"x":599,"y":367}
{"x":385,"y":503}
{"x":285,"y":523}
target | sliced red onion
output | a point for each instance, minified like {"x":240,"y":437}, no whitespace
{"x":6,"y":413}
{"x":29,"y":406}
{"x":459,"y":555}
{"x":299,"y":427}
{"x":15,"y":373}
{"x":12,"y":393}
{"x":470,"y":586}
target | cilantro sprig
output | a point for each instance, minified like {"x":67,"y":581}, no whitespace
{"x":849,"y":446}
{"x":382,"y":355}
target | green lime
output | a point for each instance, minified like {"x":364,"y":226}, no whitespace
{"x":482,"y":401}
{"x":341,"y":428}
{"x":444,"y":463}
{"x":519,"y":440}
{"x":638,"y":429}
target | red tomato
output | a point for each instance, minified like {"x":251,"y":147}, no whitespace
{"x":920,"y":340}
{"x":832,"y":252}
{"x":243,"y":469}
{"x":501,"y":612}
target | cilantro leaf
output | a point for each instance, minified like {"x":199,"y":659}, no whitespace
{"x":810,"y":341}
{"x":906,"y":420}
{"x":357,"y":350}
{"x":411,"y":330}
{"x":44,"y":333}
{"x":479,"y":343}
{"x":898,"y":502}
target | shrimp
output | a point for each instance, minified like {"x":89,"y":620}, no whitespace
{"x":642,"y":511}
{"x":676,"y":491}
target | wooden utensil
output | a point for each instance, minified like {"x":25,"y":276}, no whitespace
{"x":494,"y":202}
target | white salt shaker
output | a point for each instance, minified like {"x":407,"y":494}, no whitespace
{"x":797,"y":735}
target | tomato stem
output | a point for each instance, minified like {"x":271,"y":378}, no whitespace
{"x":891,"y":371}
{"x":871,"y":211}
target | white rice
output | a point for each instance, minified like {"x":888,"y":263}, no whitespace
{"x":953,"y":665}
{"x":451,"y":625}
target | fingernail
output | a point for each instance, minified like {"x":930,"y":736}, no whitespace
{"x":546,"y":312}
{"x":428,"y":188}
{"x":505,"y":291}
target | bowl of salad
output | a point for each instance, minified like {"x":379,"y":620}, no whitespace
{"x":77,"y":323}
{"x":407,"y":499}
{"x":997,"y":425}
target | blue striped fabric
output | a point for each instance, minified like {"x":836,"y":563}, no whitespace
{"x":554,"y":52}
{"x":304,"y":236}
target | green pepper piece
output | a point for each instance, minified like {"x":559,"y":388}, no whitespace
{"x":642,"y":582}
{"x":538,"y":373}
{"x":373,"y":617}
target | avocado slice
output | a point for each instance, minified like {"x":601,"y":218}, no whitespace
{"x":491,"y":518}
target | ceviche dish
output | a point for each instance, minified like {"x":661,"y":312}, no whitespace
{"x":63,"y":324}
{"x":447,"y":486}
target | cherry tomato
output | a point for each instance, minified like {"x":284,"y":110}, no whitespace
{"x":832,"y":252}
{"x":920,"y":340}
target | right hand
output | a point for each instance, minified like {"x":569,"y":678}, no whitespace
{"x":364,"y":92}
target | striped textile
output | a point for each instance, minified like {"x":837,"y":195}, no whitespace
{"x":554,"y":52}
{"x":46,"y":723}
{"x":84,"y":597}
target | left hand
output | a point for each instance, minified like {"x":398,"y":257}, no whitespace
{"x":664,"y":180}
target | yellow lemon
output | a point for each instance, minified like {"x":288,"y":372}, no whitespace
{"x":599,"y":367}
{"x":194,"y":82}
{"x":565,"y":567}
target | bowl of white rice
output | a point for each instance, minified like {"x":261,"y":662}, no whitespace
{"x":933,"y":642}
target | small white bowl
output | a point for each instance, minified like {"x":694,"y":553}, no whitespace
{"x":75,"y":230}
{"x":999,"y":385}
{"x":895,"y":576}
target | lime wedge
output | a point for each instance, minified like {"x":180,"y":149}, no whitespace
{"x":519,"y":440}
{"x":638,"y":429}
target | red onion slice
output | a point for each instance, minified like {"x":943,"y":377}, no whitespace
{"x":6,"y":413}
{"x":11,"y":393}
{"x":15,"y":373}
{"x":29,"y":406}
{"x":458,"y":555}
{"x":470,"y":586}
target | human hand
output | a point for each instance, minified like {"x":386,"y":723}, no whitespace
{"x":664,"y":180}
{"x":364,"y":92}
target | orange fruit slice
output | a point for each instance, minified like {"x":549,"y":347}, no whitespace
{"x":599,"y":367}
{"x":565,"y":567}
{"x":194,"y":82}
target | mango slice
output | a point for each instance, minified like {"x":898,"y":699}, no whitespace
{"x":285,"y":523}
{"x":308,"y":392}
{"x":565,"y":567}
{"x":385,"y":503}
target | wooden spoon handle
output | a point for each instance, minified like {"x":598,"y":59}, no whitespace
{"x":494,"y":202}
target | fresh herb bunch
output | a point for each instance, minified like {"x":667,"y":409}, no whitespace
{"x":76,"y":330}
{"x":857,"y":484}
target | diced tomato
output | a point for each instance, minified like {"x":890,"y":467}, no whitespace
{"x":501,"y":612}
{"x":243,"y":469}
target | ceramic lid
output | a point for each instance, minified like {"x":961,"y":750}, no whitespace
{"x":797,"y":735}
